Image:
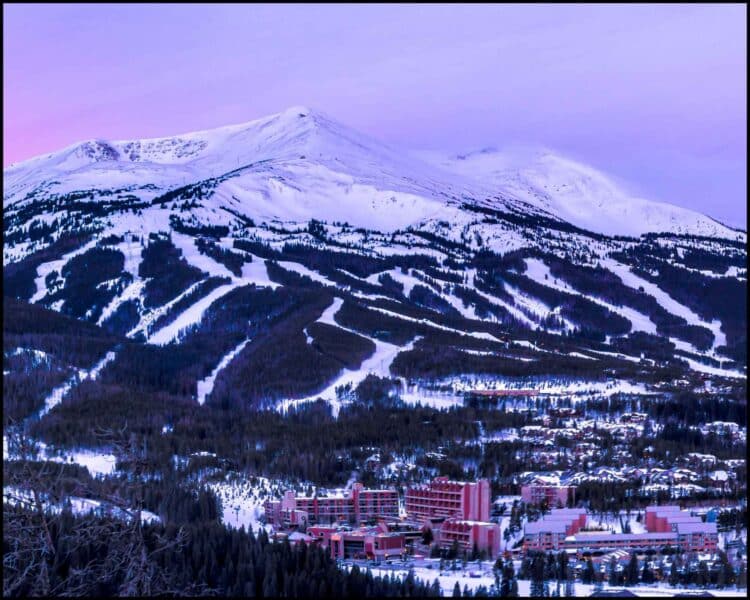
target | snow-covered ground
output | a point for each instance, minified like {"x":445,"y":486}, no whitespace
{"x":242,"y":500}
{"x":256,"y":272}
{"x":193,"y":256}
{"x":419,"y":395}
{"x":573,"y":191}
{"x":378,"y":364}
{"x":546,"y":386}
{"x":305,"y":272}
{"x":55,"y":265}
{"x":97,"y":462}
{"x":477,"y":334}
{"x":539,"y":272}
{"x":478,"y":574}
{"x":300,"y":163}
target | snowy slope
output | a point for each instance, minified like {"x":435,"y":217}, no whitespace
{"x":300,"y":164}
{"x":289,"y":164}
{"x":576,"y":193}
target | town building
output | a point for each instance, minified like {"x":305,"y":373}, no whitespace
{"x":443,"y":498}
{"x":457,"y":511}
{"x":550,"y":532}
{"x":361,"y":505}
{"x":376,"y":543}
{"x":665,"y":526}
{"x":470,"y":535}
{"x":537,"y":492}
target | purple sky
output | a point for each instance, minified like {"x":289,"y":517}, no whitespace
{"x":653,"y":94}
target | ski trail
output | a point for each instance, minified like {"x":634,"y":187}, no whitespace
{"x":57,"y":394}
{"x":206,"y":386}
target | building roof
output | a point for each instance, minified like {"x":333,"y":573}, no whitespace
{"x":545,"y":526}
{"x":468,"y":522}
{"x":619,"y":537}
{"x":665,"y":508}
{"x":698,"y":527}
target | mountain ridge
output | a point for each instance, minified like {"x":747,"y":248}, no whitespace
{"x":550,"y":183}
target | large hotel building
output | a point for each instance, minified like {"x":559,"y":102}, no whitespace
{"x":444,"y":498}
{"x":459,"y":512}
{"x":359,"y":506}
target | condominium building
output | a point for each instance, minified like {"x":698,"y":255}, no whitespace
{"x":470,"y":535}
{"x":365,"y":542}
{"x":443,"y":498}
{"x":458,"y":511}
{"x":665,"y":526}
{"x":358,"y":506}
{"x":550,"y":532}
{"x":554,"y":495}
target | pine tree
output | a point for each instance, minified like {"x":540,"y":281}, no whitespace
{"x":588,"y":573}
{"x":673,"y":574}
{"x":508,"y":576}
{"x":537,"y":576}
{"x":727,"y":573}
{"x":647,"y":575}
{"x":612,"y":571}
{"x":570,"y":586}
{"x":457,"y":590}
{"x":632,"y":570}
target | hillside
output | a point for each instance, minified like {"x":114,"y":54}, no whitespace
{"x":198,"y":253}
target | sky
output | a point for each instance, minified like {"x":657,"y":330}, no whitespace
{"x":655,"y":95}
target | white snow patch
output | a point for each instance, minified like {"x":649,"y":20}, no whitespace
{"x":378,"y":364}
{"x":257,"y":273}
{"x":55,"y":265}
{"x":191,"y":254}
{"x":206,"y":386}
{"x":57,"y":394}
{"x":191,"y":316}
{"x":303,"y":270}
{"x":477,"y":334}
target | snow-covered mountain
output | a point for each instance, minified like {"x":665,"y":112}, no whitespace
{"x":365,"y":259}
{"x":576,"y":193}
{"x":291,"y":166}
{"x":300,"y":164}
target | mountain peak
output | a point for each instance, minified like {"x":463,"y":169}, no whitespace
{"x":298,"y":111}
